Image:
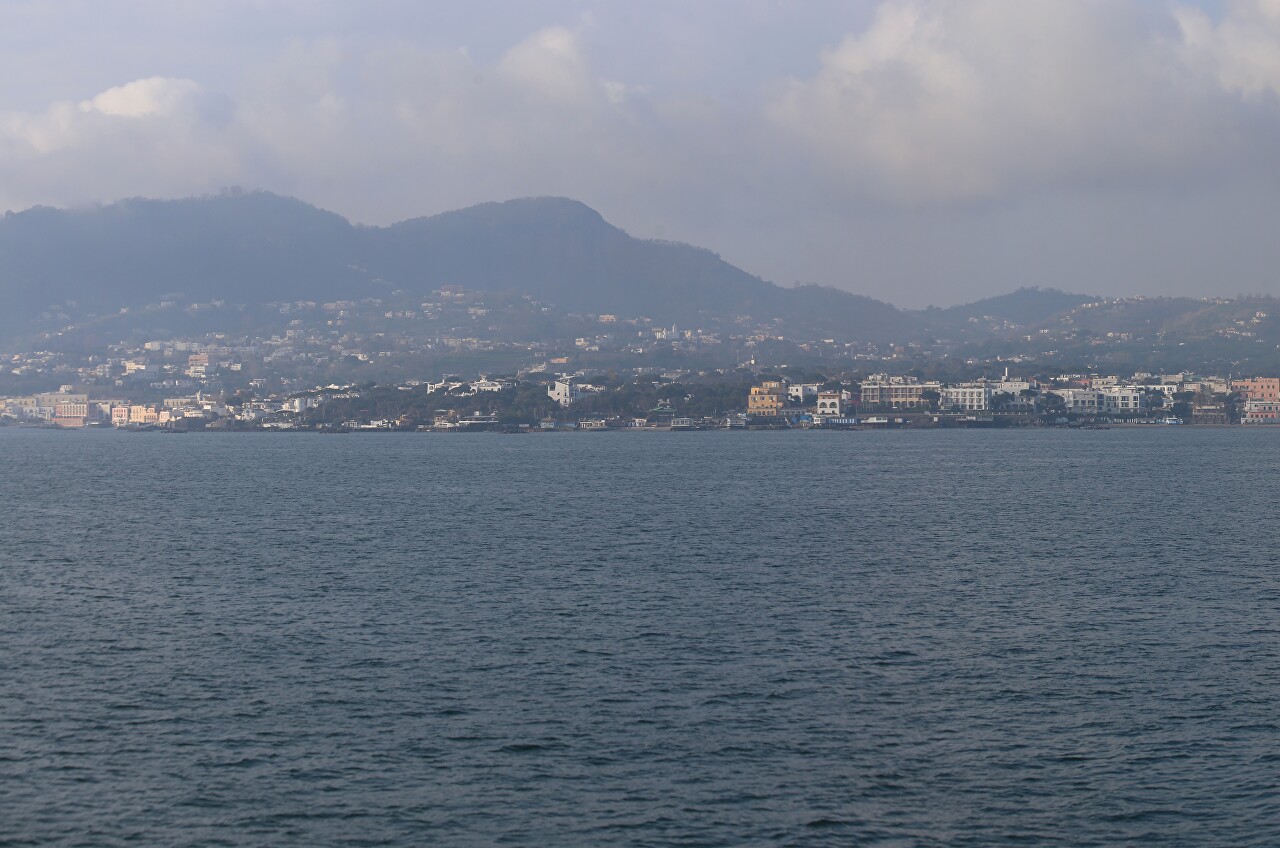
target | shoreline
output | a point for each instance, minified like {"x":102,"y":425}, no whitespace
{"x":637,"y":430}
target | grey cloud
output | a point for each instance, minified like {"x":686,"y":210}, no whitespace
{"x":926,"y":152}
{"x":953,"y":100}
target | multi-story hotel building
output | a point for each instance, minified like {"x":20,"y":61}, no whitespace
{"x":767,"y":399}
{"x":971,"y":397}
{"x":896,"y":391}
{"x":1258,"y":388}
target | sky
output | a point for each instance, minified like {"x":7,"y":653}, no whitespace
{"x":917,"y":152}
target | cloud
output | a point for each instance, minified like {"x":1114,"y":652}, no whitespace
{"x":551,"y":64}
{"x":65,"y":125}
{"x":939,"y":102}
{"x":914,"y":122}
{"x":144,"y":97}
{"x":1242,"y":51}
{"x":963,"y":99}
{"x":397,"y":130}
{"x":150,"y":135}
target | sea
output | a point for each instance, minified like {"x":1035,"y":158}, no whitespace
{"x":907,"y":638}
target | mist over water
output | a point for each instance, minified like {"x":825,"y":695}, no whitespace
{"x":901,"y":638}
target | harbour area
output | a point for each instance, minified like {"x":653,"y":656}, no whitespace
{"x":675,"y":401}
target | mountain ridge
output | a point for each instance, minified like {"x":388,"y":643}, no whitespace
{"x":261,"y":246}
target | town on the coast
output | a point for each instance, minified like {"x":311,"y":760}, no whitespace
{"x":537,"y":315}
{"x":537,"y":400}
{"x":461,"y":360}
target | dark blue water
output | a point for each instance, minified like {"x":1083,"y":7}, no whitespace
{"x":935,"y":638}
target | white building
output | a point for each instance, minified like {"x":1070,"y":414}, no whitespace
{"x":829,"y":404}
{"x":564,"y":392}
{"x":971,"y":397}
{"x":443,"y":385}
{"x":1261,"y":412}
{"x":803,"y":393}
{"x":896,"y":391}
{"x":1124,"y":399}
{"x":1018,"y":394}
{"x":1081,"y":400}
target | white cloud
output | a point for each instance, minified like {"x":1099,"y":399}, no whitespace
{"x":1242,"y":51}
{"x":153,"y":135}
{"x":961,"y":99}
{"x":144,"y":111}
{"x":550,"y":63}
{"x":144,"y":97}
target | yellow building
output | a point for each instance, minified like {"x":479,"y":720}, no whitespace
{"x":143,"y":414}
{"x":766,"y":399}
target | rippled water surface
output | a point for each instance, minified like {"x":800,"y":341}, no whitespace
{"x":932,"y":638}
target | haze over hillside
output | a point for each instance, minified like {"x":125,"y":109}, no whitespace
{"x":531,"y":279}
{"x":82,"y":267}
{"x":260,"y":247}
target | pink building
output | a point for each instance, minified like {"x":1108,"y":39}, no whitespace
{"x":1258,"y":388}
{"x":70,"y":414}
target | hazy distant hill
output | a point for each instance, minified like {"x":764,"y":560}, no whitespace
{"x":1142,"y":317}
{"x":1026,"y":306}
{"x":259,"y":247}
{"x":255,"y":247}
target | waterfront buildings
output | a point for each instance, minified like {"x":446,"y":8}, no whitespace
{"x":1080,"y":401}
{"x":1113,"y":399}
{"x":829,"y":404}
{"x":1258,"y":388}
{"x":899,"y":392}
{"x":766,"y":400}
{"x":1140,"y":398}
{"x":970,"y":397}
{"x":71,"y":413}
{"x":1261,"y":412}
{"x":1124,"y":399}
{"x":1210,"y":413}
